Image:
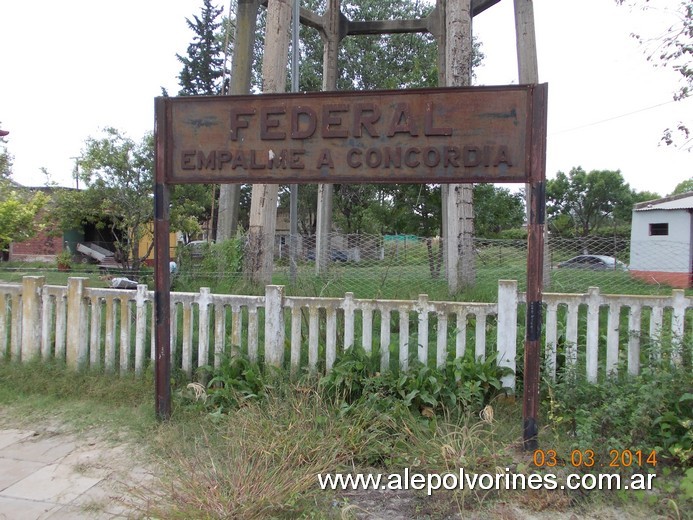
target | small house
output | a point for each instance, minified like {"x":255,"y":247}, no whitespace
{"x":661,"y":247}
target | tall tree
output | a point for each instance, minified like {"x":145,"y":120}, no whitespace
{"x":683,"y":187}
{"x":118,"y":173}
{"x":581,"y":202}
{"x":203,"y":68}
{"x":203,"y":73}
{"x":496,"y":209}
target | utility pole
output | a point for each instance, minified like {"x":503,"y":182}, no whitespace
{"x":458,"y":201}
{"x":241,"y":73}
{"x":263,"y":209}
{"x":293,"y":201}
{"x":331,"y":36}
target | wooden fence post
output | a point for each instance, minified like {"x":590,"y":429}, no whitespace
{"x":76,"y":352}
{"x":32,"y":288}
{"x":274,"y":325}
{"x":507,"y":329}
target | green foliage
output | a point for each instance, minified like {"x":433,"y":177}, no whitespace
{"x":203,"y":67}
{"x":496,"y":209}
{"x":118,"y":173}
{"x":683,"y":187}
{"x":215,"y":265}
{"x":18,"y":211}
{"x":464,"y":384}
{"x":653,"y":410}
{"x":236,"y":381}
{"x":581,"y":202}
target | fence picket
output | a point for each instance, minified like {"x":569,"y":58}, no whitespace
{"x":384,"y":339}
{"x":612,"y":338}
{"x":634,"y":339}
{"x":592,"y":346}
{"x":45,"y":311}
{"x":422,"y":310}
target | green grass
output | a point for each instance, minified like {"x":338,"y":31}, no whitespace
{"x":259,"y":460}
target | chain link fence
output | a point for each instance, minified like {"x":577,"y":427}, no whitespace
{"x":404,"y":266}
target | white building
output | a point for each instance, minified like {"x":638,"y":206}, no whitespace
{"x":661,"y":241}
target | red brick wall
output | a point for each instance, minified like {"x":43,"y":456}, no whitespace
{"x":42,"y":247}
{"x":678,"y":280}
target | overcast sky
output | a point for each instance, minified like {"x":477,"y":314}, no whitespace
{"x":73,"y":67}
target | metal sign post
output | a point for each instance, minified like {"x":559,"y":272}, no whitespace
{"x":443,"y":135}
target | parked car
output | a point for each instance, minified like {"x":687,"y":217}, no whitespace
{"x":594,"y":262}
{"x":197,"y":248}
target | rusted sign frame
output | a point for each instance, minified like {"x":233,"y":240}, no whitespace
{"x":534,"y":176}
{"x":443,"y":135}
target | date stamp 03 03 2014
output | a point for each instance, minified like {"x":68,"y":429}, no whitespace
{"x":589,"y":459}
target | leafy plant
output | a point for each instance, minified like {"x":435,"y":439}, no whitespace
{"x":464,"y":383}
{"x":236,"y":381}
{"x":653,"y":410}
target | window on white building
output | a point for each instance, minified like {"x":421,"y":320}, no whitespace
{"x":660,"y":229}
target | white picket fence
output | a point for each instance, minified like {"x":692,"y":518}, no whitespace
{"x":112,"y":328}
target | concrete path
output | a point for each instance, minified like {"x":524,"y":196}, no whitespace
{"x":52,"y":475}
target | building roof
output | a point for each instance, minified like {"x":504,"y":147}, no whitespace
{"x":681,"y":201}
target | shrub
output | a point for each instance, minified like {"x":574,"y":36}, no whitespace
{"x":651,"y":411}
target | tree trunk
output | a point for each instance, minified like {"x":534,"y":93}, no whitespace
{"x":259,"y":256}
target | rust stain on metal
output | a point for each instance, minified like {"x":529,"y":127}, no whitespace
{"x":429,"y":135}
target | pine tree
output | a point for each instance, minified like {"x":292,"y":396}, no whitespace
{"x":203,"y":67}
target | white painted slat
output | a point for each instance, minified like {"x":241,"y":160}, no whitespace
{"x":219,"y":333}
{"x":571,"y":334}
{"x":384,"y":339}
{"x":367,"y":328}
{"x":348,"y":307}
{"x":612,"y":338}
{"x":480,"y":337}
{"x":422,"y":347}
{"x":592,"y":340}
{"x":461,"y":336}
{"x":404,"y":338}
{"x":203,"y":303}
{"x":313,"y":332}
{"x":656,"y":321}
{"x":187,"y":338}
{"x":252,"y":333}
{"x":16,"y":328}
{"x":441,"y":339}
{"x":110,"y":348}
{"x":634,"y":339}
{"x":331,"y":337}
{"x":3,"y":326}
{"x":46,"y":319}
{"x":95,"y":335}
{"x":295,"y":339}
{"x":551,"y":339}
{"x":140,"y":327}
{"x":236,"y":328}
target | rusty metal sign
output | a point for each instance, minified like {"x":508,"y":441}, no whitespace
{"x":479,"y":134}
{"x":449,"y":135}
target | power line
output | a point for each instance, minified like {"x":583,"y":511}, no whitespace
{"x":612,"y":118}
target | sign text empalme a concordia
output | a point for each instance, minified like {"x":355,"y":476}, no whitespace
{"x":480,"y":134}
